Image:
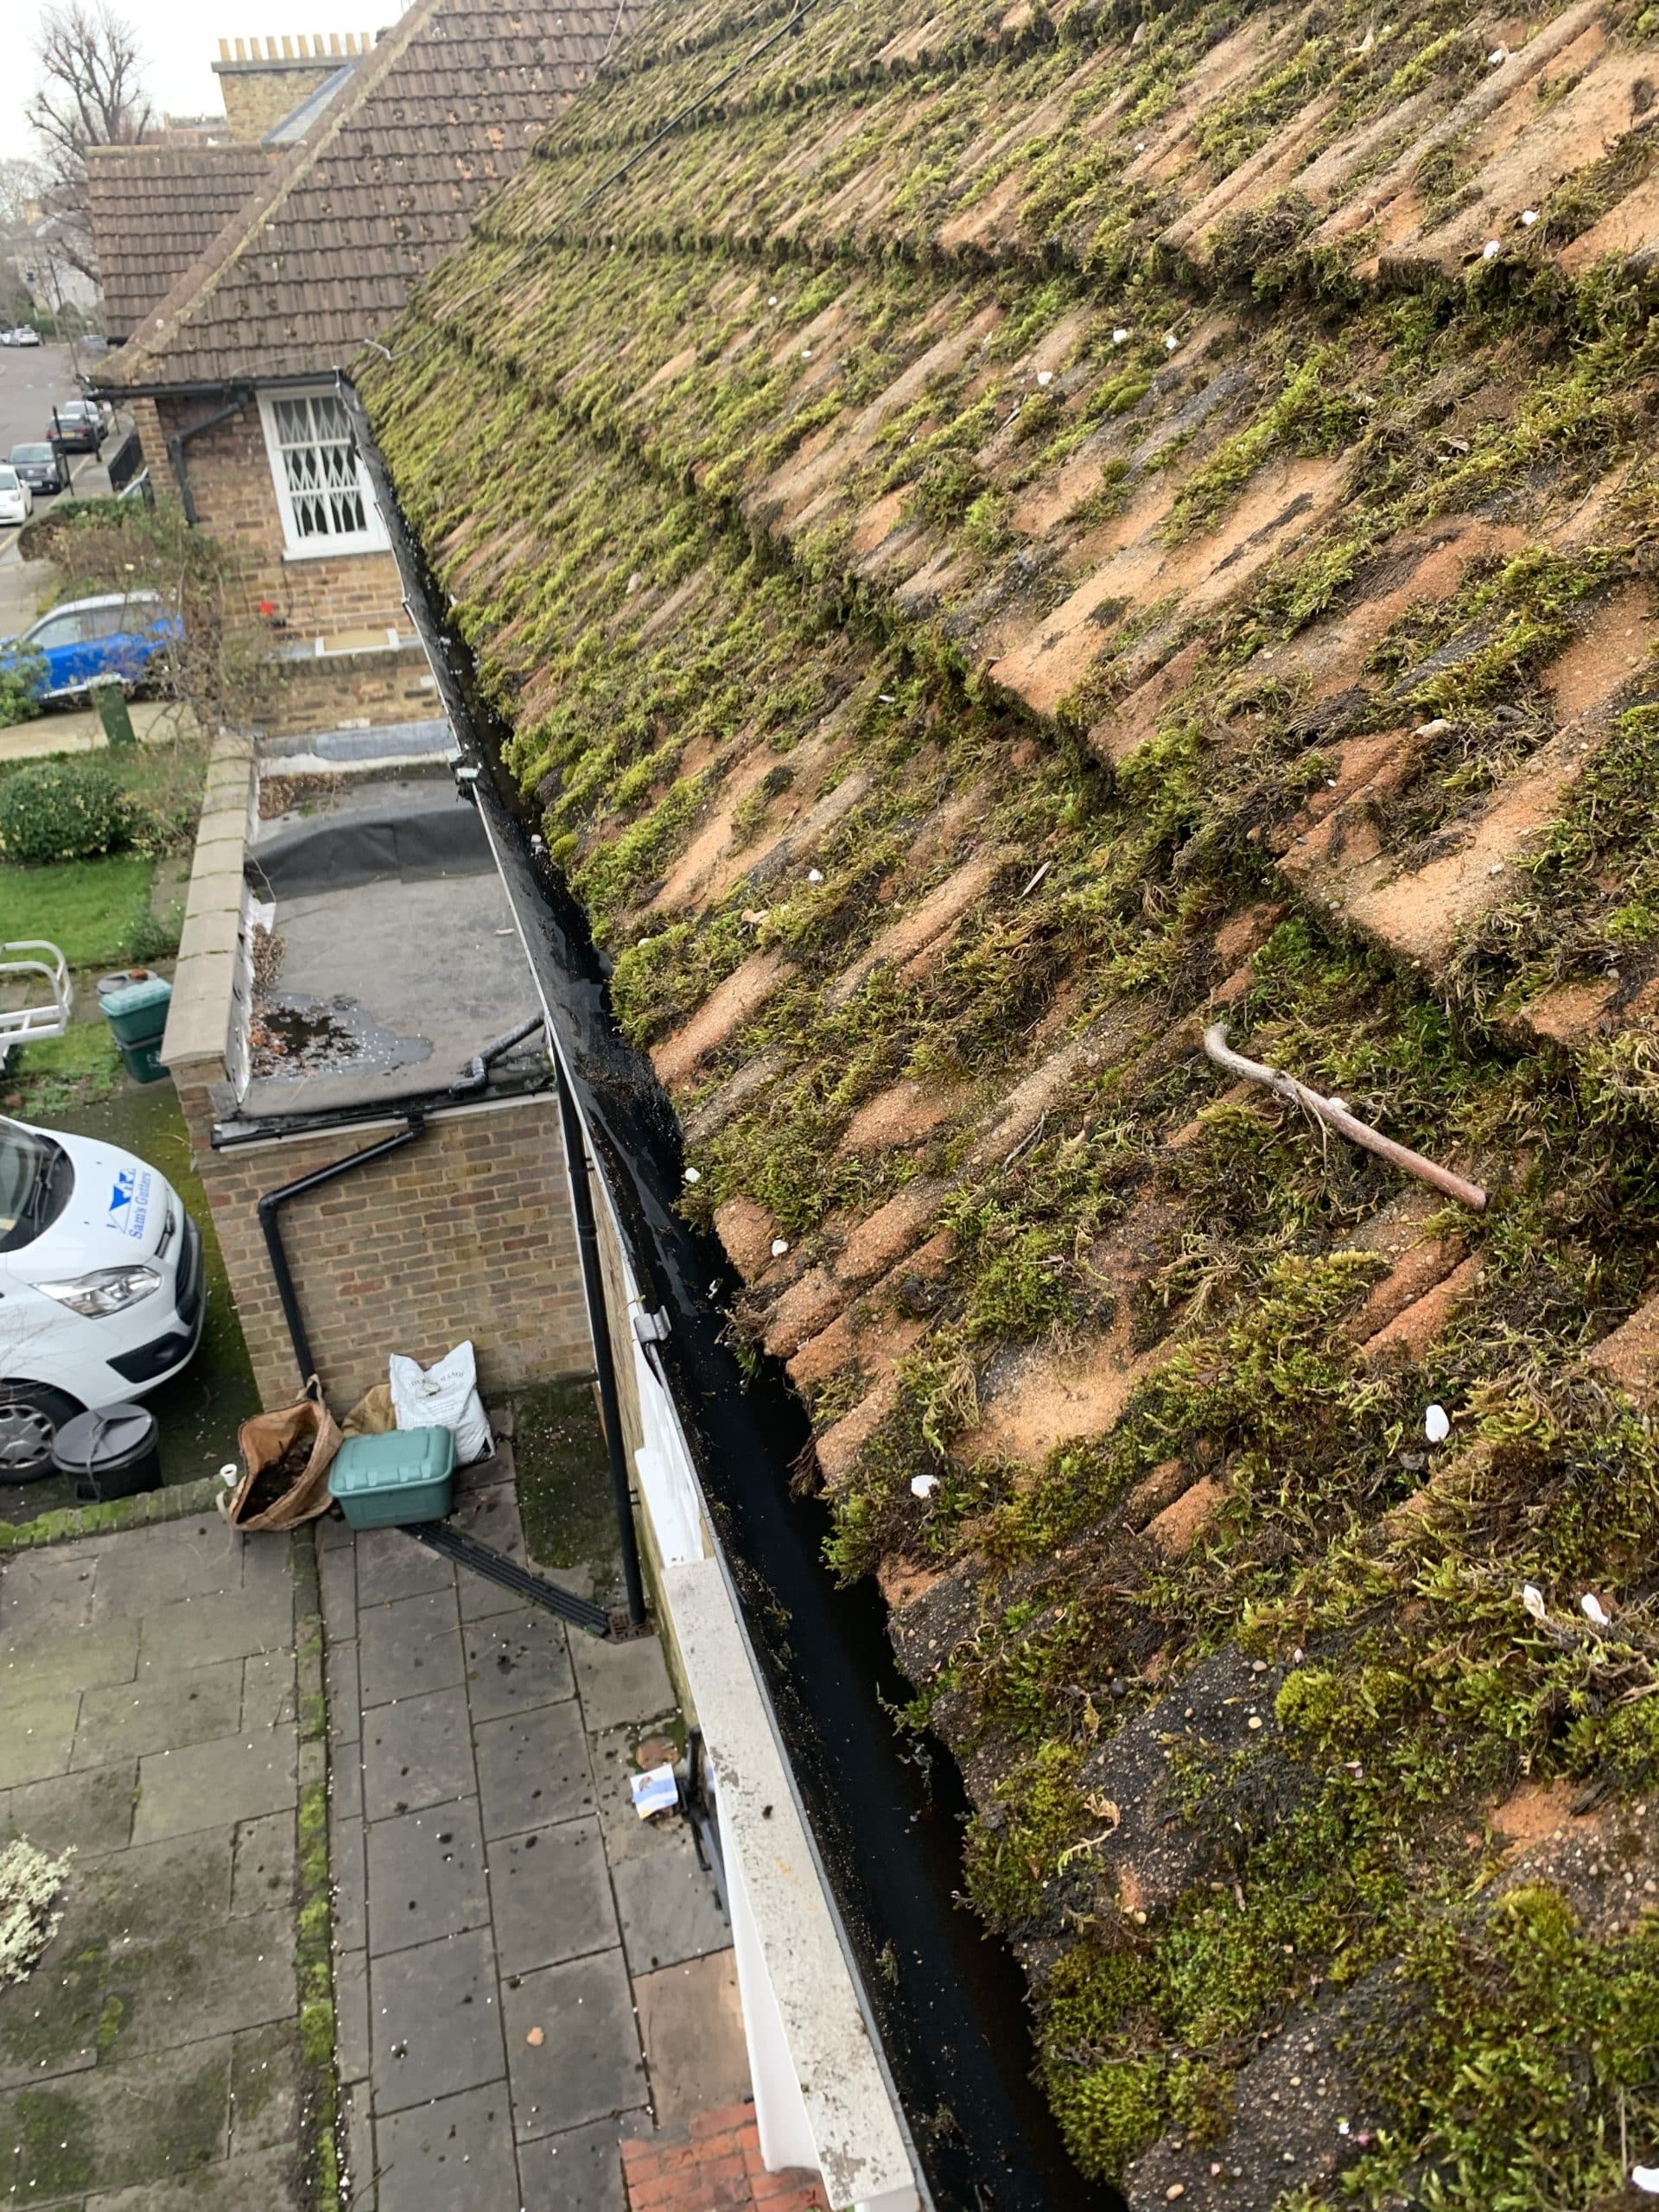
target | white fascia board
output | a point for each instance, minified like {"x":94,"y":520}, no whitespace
{"x":857,"y":2143}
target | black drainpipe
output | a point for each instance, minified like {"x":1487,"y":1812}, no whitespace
{"x":269,"y":1208}
{"x":238,"y":403}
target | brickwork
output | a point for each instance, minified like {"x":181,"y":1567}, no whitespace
{"x":147,"y":424}
{"x":713,"y":2164}
{"x":465,"y":1233}
{"x":236,"y":503}
{"x":336,"y":690}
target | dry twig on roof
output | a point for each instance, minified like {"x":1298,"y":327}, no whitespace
{"x":1334,"y":1113}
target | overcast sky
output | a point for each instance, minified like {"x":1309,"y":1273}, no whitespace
{"x":180,"y":39}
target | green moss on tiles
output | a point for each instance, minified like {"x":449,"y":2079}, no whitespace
{"x":708,"y":583}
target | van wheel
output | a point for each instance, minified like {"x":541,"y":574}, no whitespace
{"x":31,"y":1413}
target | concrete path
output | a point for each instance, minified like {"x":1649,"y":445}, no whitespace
{"x":77,"y":729}
{"x":147,"y":1695}
{"x":525,"y":1973}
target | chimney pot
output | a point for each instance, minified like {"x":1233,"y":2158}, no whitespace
{"x":224,"y":49}
{"x":288,"y":48}
{"x":305,"y":51}
{"x":334,"y":42}
{"x":241,"y":49}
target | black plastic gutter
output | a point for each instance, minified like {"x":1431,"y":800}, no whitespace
{"x":886,"y":1809}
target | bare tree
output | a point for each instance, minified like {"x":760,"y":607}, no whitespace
{"x":23,"y":193}
{"x":22,"y":185}
{"x":91,"y":93}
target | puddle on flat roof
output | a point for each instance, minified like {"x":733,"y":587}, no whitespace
{"x":293,"y":1035}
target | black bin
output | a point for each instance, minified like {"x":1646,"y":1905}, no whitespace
{"x":113,"y":1453}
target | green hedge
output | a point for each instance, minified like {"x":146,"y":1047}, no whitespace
{"x":63,"y":810}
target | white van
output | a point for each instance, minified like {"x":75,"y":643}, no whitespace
{"x":100,"y":1285}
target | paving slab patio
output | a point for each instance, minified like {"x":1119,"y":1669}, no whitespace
{"x":525,"y":1974}
{"x":498,"y":1906}
{"x":153,"y":2060}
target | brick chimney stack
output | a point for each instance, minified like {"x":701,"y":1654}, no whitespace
{"x":260,"y":88}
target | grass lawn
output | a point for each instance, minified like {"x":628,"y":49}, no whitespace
{"x":63,"y":1072}
{"x":96,"y":910}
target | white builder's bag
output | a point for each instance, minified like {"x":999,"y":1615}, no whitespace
{"x":443,"y":1396}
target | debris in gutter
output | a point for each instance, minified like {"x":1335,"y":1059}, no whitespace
{"x":1335,"y":1115}
{"x":1595,"y":1611}
{"x":1437,"y":1425}
{"x":924,"y":1485}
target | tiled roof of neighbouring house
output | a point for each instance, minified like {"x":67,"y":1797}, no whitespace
{"x":155,"y":210}
{"x":442,"y":111}
{"x":1015,"y":535}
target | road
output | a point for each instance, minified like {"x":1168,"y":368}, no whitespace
{"x":32,"y":378}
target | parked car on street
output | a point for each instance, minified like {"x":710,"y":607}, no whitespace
{"x":24,"y":335}
{"x":43,"y":468}
{"x":77,"y":425}
{"x":119,"y":635}
{"x":16,"y":501}
{"x":100,"y":1285}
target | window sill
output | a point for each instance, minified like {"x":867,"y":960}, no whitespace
{"x":333,"y":550}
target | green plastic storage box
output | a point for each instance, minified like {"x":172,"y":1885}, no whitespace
{"x":138,"y":1014}
{"x":144,"y":1062}
{"x":387,"y":1481}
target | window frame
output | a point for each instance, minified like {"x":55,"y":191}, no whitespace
{"x":296,"y":546}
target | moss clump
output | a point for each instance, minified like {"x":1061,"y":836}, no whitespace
{"x":564,"y":1480}
{"x":52,"y":2155}
{"x":1514,"y":2053}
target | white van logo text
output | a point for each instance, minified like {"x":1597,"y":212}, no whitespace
{"x":130,"y":1201}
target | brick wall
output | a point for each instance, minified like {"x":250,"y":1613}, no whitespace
{"x":236,"y":503}
{"x":337,"y":690}
{"x":147,"y":424}
{"x":467,"y":1232}
{"x":713,"y":2164}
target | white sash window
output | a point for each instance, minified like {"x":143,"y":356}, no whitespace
{"x":327,"y":503}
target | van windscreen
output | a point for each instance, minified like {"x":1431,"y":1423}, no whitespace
{"x":35,"y":1179}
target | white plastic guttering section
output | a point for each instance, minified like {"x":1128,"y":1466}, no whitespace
{"x":822,"y":2094}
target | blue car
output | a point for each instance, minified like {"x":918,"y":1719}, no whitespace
{"x":122,"y":635}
